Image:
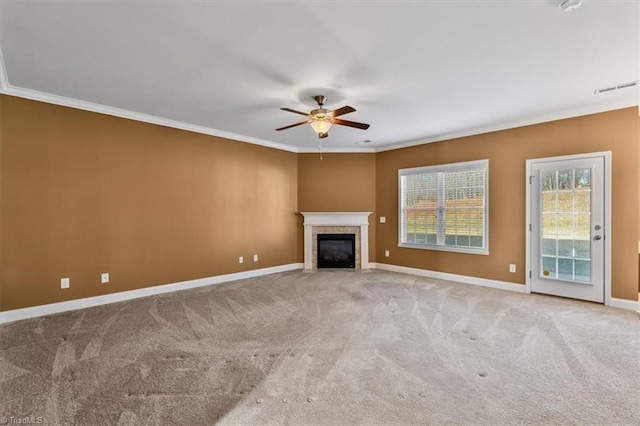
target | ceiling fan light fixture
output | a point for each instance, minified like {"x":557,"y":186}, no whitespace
{"x":570,"y":5}
{"x":320,"y":124}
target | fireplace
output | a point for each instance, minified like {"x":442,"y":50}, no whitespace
{"x":336,"y":250}
{"x":355,"y":223}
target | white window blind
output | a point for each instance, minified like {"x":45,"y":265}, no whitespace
{"x":445,"y":207}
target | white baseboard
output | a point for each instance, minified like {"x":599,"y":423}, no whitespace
{"x":625,"y":304}
{"x":72,"y":305}
{"x":500,"y":285}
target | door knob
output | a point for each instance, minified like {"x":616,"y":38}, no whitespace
{"x":597,"y":237}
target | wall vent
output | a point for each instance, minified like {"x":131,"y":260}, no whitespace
{"x":618,"y":87}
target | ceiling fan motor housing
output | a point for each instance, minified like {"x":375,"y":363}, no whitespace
{"x":320,"y":113}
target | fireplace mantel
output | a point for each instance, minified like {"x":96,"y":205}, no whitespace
{"x":337,"y":219}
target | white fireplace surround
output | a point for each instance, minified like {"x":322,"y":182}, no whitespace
{"x":312,"y":219}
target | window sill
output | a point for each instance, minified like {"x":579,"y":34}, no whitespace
{"x":484,"y":252}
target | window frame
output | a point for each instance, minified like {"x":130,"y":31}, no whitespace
{"x":443,"y":168}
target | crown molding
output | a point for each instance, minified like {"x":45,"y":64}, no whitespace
{"x":7,"y":89}
{"x":145,"y":118}
{"x":544,"y":118}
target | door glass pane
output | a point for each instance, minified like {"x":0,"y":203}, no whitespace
{"x":565,"y":224}
{"x":549,"y":266}
{"x":549,"y":247}
{"x":548,"y":186}
{"x":565,"y":269}
{"x":583,"y":270}
{"x":583,"y":249}
{"x":549,"y":180}
{"x":582,"y":200}
{"x":582,"y":178}
{"x":582,"y":238}
{"x":565,"y":220}
{"x":565,"y":179}
{"x":565,"y":201}
{"x":549,"y":221}
{"x":549,"y":201}
{"x":565,"y":247}
{"x":583,"y":225}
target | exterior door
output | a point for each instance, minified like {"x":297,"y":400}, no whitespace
{"x":567,"y":228}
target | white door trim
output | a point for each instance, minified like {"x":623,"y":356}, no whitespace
{"x":607,"y":216}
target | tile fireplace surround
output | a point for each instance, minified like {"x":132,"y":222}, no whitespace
{"x":336,"y":223}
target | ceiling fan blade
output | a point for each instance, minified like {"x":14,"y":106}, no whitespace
{"x":362,"y":126}
{"x":342,"y":111}
{"x":293,"y":125}
{"x":294,"y":111}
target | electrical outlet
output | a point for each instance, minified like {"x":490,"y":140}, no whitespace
{"x":64,"y":283}
{"x":104,"y":278}
{"x":386,"y":253}
{"x":241,"y":259}
{"x":255,"y":257}
{"x":383,"y":219}
{"x":512,"y":267}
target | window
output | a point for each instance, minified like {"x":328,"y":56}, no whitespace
{"x":445,"y":207}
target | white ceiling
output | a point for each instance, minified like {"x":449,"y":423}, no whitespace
{"x":417,"y":71}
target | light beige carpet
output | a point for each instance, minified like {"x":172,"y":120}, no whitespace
{"x":333,"y":347}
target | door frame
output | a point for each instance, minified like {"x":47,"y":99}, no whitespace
{"x":607,"y":215}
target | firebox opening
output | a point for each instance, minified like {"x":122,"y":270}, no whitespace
{"x":336,"y":251}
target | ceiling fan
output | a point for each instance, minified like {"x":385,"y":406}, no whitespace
{"x":321,"y":119}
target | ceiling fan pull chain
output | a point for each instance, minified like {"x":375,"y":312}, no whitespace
{"x":320,"y":149}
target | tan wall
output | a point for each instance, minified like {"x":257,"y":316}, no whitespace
{"x":338,"y":182}
{"x":507,"y":151}
{"x":85,"y":193}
